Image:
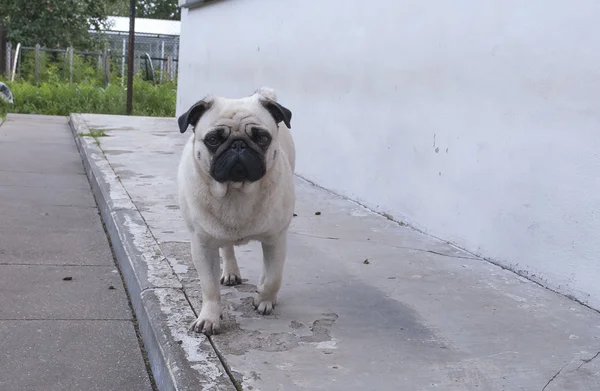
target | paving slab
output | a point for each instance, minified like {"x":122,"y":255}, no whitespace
{"x":36,"y":129}
{"x":70,"y":355}
{"x":40,"y":292}
{"x":22,"y":246}
{"x":26,"y":195}
{"x":44,"y":179}
{"x":40,"y":234}
{"x":367,"y":303}
{"x":65,"y":318}
{"x":37,"y":218}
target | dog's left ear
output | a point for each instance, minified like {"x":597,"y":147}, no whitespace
{"x":192,"y":116}
{"x":278,"y":112}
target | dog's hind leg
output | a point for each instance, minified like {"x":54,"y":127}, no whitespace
{"x":231,"y":272}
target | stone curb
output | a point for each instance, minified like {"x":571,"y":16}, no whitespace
{"x":178,"y":359}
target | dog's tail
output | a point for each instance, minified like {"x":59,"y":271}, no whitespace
{"x":268,"y":93}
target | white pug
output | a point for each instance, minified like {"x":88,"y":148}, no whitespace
{"x":236,"y":185}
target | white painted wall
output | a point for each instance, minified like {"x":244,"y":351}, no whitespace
{"x":478,"y":122}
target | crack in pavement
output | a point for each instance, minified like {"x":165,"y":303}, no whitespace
{"x":555,"y":376}
{"x":583,"y":362}
{"x":586,"y":361}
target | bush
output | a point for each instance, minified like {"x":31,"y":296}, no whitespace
{"x":60,"y":98}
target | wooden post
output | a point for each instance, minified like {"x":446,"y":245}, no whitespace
{"x":14,"y":69}
{"x":169,"y":70}
{"x":106,"y":67}
{"x":174,"y":67}
{"x":8,"y":59}
{"x":64,"y":68}
{"x":123,"y":63}
{"x":37,"y":63}
{"x":70,"y":64}
{"x":162,"y":60}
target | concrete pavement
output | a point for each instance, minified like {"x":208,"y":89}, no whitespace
{"x":367,"y":304}
{"x":65,"y":320}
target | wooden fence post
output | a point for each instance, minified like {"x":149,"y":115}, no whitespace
{"x":70,"y":65}
{"x":37,"y":63}
{"x":64,"y":68}
{"x":162,"y":60}
{"x":16,"y":61}
{"x":169,"y":70}
{"x":8,"y":59}
{"x":106,"y":67}
{"x":124,"y":55}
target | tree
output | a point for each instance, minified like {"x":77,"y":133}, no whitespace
{"x":53,"y":23}
{"x":158,"y":9}
{"x":153,"y":9}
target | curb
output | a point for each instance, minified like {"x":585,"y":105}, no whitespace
{"x":179,"y":360}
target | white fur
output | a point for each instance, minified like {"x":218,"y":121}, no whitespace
{"x":221,"y":215}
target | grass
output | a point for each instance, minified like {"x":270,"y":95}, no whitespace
{"x":54,"y":95}
{"x":58,"y":98}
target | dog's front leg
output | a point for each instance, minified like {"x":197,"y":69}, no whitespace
{"x":206,"y":260}
{"x":274,"y":251}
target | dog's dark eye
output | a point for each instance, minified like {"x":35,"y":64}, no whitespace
{"x":212,"y":140}
{"x":261,"y":137}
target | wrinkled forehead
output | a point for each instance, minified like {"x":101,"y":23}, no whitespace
{"x":235,"y":112}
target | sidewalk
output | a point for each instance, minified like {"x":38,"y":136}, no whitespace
{"x":366,"y":304}
{"x":65,"y":320}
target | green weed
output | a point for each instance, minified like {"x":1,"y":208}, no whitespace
{"x":95,"y":133}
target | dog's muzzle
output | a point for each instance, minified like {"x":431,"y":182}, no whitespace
{"x":238,"y":163}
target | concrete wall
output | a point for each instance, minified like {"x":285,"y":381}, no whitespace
{"x":477,"y":122}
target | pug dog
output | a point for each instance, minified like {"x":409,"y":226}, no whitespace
{"x":235,"y":183}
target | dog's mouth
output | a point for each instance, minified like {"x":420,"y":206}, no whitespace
{"x":238,"y":164}
{"x":238,"y":173}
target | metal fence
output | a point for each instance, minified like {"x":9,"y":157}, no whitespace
{"x":158,"y":48}
{"x":155,"y":57}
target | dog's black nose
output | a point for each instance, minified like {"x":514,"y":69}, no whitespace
{"x":238,"y":145}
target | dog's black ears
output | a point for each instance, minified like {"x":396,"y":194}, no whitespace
{"x":192,"y":116}
{"x":278,"y":112}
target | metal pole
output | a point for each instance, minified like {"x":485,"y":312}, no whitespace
{"x":130,"y":57}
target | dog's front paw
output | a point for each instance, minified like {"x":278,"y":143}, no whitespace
{"x":263,"y":306}
{"x":231,"y":279}
{"x":206,"y":324}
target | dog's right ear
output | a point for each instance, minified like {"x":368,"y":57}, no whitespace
{"x":192,"y":116}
